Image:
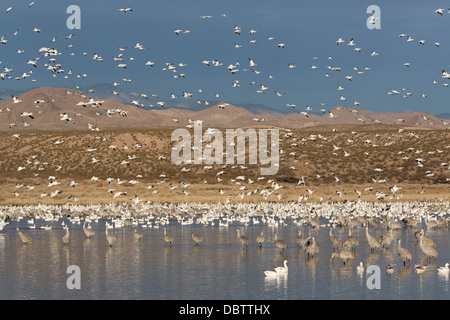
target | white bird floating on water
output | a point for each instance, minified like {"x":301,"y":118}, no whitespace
{"x":271,"y":274}
{"x":278,"y":271}
{"x":444,"y":270}
{"x":282,"y":270}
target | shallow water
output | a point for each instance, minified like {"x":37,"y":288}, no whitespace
{"x":218,"y":269}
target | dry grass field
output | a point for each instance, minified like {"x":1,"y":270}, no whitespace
{"x":333,"y":162}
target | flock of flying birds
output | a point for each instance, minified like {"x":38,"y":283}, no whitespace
{"x":47,"y":58}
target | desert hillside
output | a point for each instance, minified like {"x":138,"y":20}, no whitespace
{"x":335,"y":163}
{"x":67,"y":109}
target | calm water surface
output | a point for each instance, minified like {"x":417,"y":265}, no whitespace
{"x":218,"y":269}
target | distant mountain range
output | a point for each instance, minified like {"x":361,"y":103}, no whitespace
{"x":68,"y":109}
{"x":443,"y":116}
{"x":105,"y":91}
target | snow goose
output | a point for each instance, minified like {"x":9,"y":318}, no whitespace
{"x":125,"y":10}
{"x":443,"y":270}
{"x":282,"y":270}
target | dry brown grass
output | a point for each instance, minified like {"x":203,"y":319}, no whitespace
{"x":313,"y":156}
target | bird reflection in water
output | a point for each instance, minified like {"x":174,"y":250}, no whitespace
{"x":278,"y":284}
{"x":404,"y":272}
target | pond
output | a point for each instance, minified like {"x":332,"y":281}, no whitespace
{"x":219,"y":268}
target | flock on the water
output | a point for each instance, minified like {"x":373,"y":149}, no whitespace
{"x":388,"y":219}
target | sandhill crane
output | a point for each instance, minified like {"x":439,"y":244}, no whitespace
{"x":281,"y":244}
{"x":198,"y":239}
{"x":373,"y":222}
{"x":336,"y":242}
{"x":88,"y":232}
{"x":442,"y":223}
{"x":394,"y":225}
{"x":387,"y":240}
{"x":427,"y":241}
{"x":315,"y":223}
{"x":65,"y":238}
{"x":344,"y":255}
{"x":352,"y":241}
{"x":260,"y":239}
{"x":243,"y":240}
{"x":417,"y":235}
{"x":168,"y":238}
{"x":347,"y":244}
{"x":25,"y":238}
{"x":429,"y":251}
{"x":373,"y":242}
{"x":311,"y":247}
{"x":404,"y":254}
{"x":110,"y":237}
{"x":431,"y":224}
{"x":410,"y":222}
{"x":299,"y":239}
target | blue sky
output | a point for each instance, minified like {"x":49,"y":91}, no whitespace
{"x":308,"y":28}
